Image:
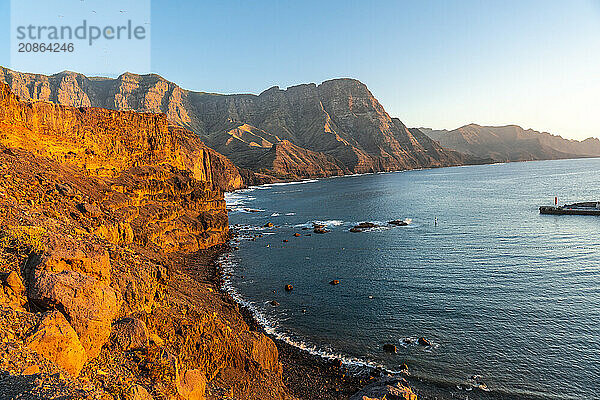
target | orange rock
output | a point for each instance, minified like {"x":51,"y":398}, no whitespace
{"x":57,"y":341}
{"x":90,"y":304}
{"x":137,"y":392}
{"x":192,"y":385}
{"x":31,"y":370}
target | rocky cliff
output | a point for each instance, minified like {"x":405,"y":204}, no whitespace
{"x":101,"y":292}
{"x":335,"y":127}
{"x":512,"y":143}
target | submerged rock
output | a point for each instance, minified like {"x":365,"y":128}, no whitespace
{"x":398,"y":222}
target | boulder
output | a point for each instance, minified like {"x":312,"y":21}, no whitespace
{"x":129,"y":334}
{"x":192,"y":385}
{"x":89,"y":210}
{"x":262,"y":350}
{"x":386,"y":388}
{"x":89,"y":304}
{"x":14,"y":281}
{"x":57,"y":341}
{"x":31,"y":370}
{"x":12,"y":291}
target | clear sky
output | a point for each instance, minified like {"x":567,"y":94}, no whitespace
{"x":439,"y":64}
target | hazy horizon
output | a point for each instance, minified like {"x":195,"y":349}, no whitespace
{"x":436,"y":65}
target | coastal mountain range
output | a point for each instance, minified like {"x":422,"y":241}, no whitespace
{"x":308,"y":130}
{"x":512,"y":143}
{"x":305,"y":131}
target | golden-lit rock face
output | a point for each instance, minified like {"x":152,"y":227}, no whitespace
{"x":99,"y":212}
{"x":159,"y":177}
{"x":55,"y":339}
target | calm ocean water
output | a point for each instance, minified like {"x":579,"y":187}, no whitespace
{"x":501,"y":291}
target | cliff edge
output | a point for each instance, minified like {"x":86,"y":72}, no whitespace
{"x":103,"y":293}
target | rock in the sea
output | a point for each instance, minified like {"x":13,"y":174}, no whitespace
{"x":289,"y":288}
{"x":57,"y":341}
{"x":387,"y":388}
{"x":390,"y":348}
{"x":336,"y":362}
{"x":320,"y":230}
{"x":192,"y":385}
{"x":334,"y":282}
{"x":424,"y":342}
{"x":398,"y":222}
{"x":129,"y":334}
{"x":274,"y":303}
{"x":297,"y":234}
{"x":363,"y":226}
{"x":284,"y":240}
{"x":268,"y":225}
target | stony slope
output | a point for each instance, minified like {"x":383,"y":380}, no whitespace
{"x":513,"y":143}
{"x":339,"y":119}
{"x":99,"y":295}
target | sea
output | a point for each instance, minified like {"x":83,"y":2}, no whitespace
{"x":508,"y":299}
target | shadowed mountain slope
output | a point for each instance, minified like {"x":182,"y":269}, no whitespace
{"x":335,"y":127}
{"x":512,"y":143}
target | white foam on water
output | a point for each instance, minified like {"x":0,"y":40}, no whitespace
{"x":328,"y":223}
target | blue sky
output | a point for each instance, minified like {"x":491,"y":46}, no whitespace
{"x":439,"y":64}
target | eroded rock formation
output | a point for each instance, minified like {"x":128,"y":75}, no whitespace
{"x":100,"y":297}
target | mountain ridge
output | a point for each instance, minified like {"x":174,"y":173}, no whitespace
{"x":512,"y":143}
{"x":338,"y":118}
